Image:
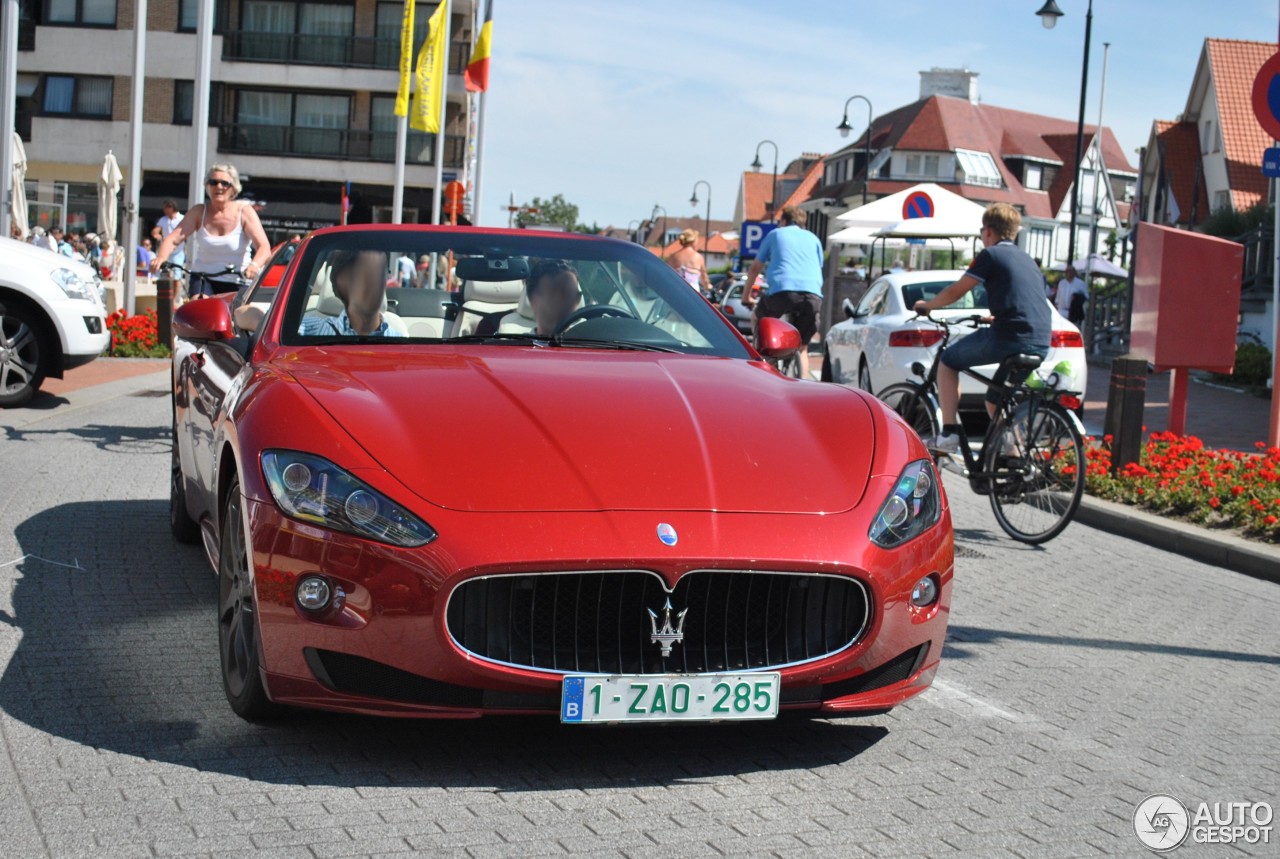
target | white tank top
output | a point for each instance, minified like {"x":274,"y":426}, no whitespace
{"x":214,"y":253}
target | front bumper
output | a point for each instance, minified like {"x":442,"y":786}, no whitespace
{"x":388,"y":650}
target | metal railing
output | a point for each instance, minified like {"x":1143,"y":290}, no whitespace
{"x":344,"y":144}
{"x":345,"y":51}
{"x":1259,"y":262}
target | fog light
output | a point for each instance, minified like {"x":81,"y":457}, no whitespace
{"x":925,"y":593}
{"x":296,"y":477}
{"x":313,"y":593}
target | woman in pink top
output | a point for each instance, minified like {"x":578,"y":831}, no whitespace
{"x":224,"y":230}
{"x":688,"y":263}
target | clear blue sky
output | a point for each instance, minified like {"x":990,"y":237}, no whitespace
{"x":619,"y":105}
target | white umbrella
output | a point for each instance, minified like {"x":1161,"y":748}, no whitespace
{"x":108,"y":189}
{"x":18,"y":200}
{"x":1096,"y":265}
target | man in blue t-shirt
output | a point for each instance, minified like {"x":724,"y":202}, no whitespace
{"x":1021,"y":321}
{"x":793,"y":256}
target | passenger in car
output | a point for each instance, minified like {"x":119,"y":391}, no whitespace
{"x":553,"y":291}
{"x":360,"y":282}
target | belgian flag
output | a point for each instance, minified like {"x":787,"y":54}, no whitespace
{"x":477,"y":75}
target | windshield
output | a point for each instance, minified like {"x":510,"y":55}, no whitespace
{"x":438,"y":286}
{"x":974,"y":299}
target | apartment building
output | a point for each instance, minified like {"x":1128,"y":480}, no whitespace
{"x":302,"y":102}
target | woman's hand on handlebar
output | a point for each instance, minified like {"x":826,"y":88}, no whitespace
{"x":155,"y":264}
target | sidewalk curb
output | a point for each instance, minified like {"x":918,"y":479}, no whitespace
{"x":1222,"y":550}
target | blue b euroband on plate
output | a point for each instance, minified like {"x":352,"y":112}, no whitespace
{"x":668,"y":697}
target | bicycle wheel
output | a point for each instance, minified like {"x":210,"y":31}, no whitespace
{"x":914,"y":406}
{"x":1039,"y":464}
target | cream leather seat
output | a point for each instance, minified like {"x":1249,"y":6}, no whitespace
{"x":520,"y":320}
{"x":481,"y":298}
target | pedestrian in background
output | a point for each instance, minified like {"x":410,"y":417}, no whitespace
{"x":688,"y":263}
{"x":1072,"y":295}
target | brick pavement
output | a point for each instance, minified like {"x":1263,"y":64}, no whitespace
{"x":1079,"y":678}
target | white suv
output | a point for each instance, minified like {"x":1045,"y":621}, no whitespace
{"x":52,"y":318}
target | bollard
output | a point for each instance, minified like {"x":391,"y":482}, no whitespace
{"x":164,"y":310}
{"x":1125,"y":401}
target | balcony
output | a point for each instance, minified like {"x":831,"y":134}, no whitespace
{"x":341,"y":144}
{"x":361,"y":52}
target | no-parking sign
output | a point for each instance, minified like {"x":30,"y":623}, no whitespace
{"x":917,"y":205}
{"x":1266,"y":97}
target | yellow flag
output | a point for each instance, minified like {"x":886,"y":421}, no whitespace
{"x":428,"y":96}
{"x":406,"y":60}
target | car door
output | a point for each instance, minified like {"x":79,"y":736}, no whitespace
{"x":883,"y":317}
{"x":210,"y":369}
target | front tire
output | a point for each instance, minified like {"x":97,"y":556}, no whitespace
{"x":864,"y":378}
{"x":181,"y":525}
{"x":237,"y":619}
{"x":1039,"y":461}
{"x":23,"y":364}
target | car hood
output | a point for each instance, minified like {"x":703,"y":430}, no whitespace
{"x":503,"y":428}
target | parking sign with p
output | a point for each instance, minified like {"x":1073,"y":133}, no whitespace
{"x":753,"y":233}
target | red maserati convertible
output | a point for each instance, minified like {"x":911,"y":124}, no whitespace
{"x":549,"y":478}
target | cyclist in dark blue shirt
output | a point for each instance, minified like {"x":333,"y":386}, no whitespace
{"x":1021,"y":320}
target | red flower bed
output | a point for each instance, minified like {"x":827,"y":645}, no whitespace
{"x":135,"y":336}
{"x":1178,"y":475}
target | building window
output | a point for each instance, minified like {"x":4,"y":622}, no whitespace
{"x":1206,"y":137}
{"x":931,"y":166}
{"x":65,"y":95}
{"x":1035,"y":177}
{"x":188,"y":15}
{"x":183,"y":98}
{"x":296,"y":32}
{"x":1221,"y":200}
{"x":978,"y":168}
{"x":310,"y":124}
{"x":382,"y":122}
{"x":91,"y":13}
{"x":913,"y":165}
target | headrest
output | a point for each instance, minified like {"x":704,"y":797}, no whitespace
{"x":524,"y":308}
{"x":493,"y":292}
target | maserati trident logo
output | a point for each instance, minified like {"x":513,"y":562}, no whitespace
{"x":667,"y":534}
{"x":668,"y":634}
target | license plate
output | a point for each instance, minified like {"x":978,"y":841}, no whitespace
{"x":668,"y":697}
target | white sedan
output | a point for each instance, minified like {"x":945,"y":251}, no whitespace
{"x":881,"y":338}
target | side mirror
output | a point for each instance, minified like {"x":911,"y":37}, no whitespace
{"x":775,"y":338}
{"x":848,"y":308}
{"x":203,"y":320}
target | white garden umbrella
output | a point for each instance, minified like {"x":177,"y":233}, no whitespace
{"x":18,"y":200}
{"x":108,"y":190}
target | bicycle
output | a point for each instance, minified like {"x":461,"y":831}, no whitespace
{"x":214,"y":287}
{"x":1031,"y":463}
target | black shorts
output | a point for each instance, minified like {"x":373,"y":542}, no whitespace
{"x":802,"y":307}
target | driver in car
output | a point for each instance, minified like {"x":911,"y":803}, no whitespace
{"x":360,"y":281}
{"x":553,"y":291}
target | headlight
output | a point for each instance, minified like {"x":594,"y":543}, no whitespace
{"x":914,"y":506}
{"x":72,"y":284}
{"x":315,"y":490}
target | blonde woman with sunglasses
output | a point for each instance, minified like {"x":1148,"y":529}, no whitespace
{"x":223,"y":230}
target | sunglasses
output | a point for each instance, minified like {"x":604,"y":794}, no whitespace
{"x":218,"y":183}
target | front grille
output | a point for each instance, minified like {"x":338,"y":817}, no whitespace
{"x":599,"y":622}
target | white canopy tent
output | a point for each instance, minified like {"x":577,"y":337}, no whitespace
{"x":1095,"y":265}
{"x":893,"y":208}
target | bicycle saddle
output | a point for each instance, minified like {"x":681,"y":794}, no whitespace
{"x":1022,"y":362}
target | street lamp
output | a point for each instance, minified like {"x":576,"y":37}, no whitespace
{"x":756,"y":165}
{"x":635,"y":232}
{"x":1049,"y":14}
{"x":662,"y":241}
{"x":844,"y":128}
{"x":693,"y":201}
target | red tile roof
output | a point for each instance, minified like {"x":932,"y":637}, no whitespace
{"x":757,"y":190}
{"x":808,"y":182}
{"x":1235,"y":64}
{"x":717,"y":245}
{"x":1179,"y":144}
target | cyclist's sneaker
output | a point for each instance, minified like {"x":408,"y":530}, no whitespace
{"x":947,"y":442}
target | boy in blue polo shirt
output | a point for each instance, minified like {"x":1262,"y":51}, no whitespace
{"x":1021,"y":320}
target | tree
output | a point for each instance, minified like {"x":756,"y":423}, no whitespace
{"x":556,"y":211}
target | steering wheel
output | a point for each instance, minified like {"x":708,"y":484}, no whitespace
{"x":591,"y":311}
